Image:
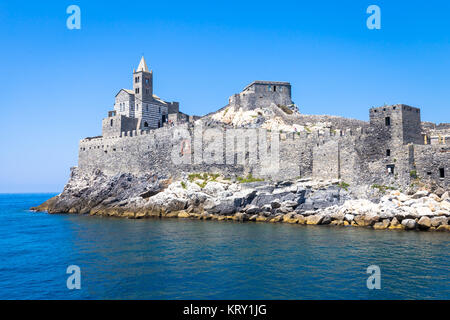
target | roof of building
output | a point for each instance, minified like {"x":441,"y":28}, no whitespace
{"x":279,"y":83}
{"x":142,"y":65}
{"x":159,"y":99}
{"x":130,"y":92}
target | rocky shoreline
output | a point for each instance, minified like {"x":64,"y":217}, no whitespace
{"x":212,"y":197}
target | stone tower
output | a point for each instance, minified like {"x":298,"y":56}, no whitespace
{"x":400,"y":122}
{"x":142,"y":84}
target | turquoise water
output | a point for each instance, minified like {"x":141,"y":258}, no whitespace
{"x":184,"y":259}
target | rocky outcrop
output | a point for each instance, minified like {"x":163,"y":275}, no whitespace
{"x":206,"y":196}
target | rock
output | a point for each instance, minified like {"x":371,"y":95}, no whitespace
{"x":290,"y":197}
{"x":359,"y":220}
{"x":214,"y":188}
{"x":443,"y":228}
{"x":386,"y":214}
{"x":277,"y":218}
{"x":425,"y":211}
{"x":262,"y":199}
{"x":371,"y":218}
{"x":290,"y":218}
{"x":240,"y":216}
{"x":409,"y":224}
{"x":300,"y":219}
{"x":381,"y":225}
{"x":435,"y":197}
{"x":252,"y":210}
{"x":445,"y":196}
{"x":395,"y":224}
{"x":171,"y":215}
{"x":439,"y":191}
{"x":438,"y":221}
{"x":338,"y":215}
{"x":314,"y":219}
{"x":261,"y":219}
{"x":284,"y":209}
{"x":403,"y":197}
{"x":309,"y":213}
{"x":289,"y":203}
{"x":420,"y":194}
{"x":349,"y":217}
{"x":424,"y":223}
{"x":326,"y":220}
{"x":275,"y":203}
{"x":253,"y":217}
{"x":224,"y":206}
{"x":183,"y":214}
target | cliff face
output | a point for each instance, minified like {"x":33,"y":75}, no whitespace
{"x":210,"y":196}
{"x":84,"y":192}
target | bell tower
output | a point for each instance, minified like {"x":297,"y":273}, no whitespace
{"x":142,"y":84}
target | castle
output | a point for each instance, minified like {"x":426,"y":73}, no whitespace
{"x":395,"y":148}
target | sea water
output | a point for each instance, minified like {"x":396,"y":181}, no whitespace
{"x":190,"y":259}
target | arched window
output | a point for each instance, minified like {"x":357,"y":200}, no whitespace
{"x":145,"y":124}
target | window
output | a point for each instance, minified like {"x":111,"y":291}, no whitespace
{"x":146,"y":91}
{"x":136,"y":90}
{"x":274,"y":88}
{"x":146,"y":80}
{"x":112,"y":122}
{"x":136,"y":80}
{"x":390,"y":168}
{"x":387,"y":121}
{"x":159,"y":109}
{"x":388,"y":152}
{"x":441,"y":173}
{"x":145,"y":124}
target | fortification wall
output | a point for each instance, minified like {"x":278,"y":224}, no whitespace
{"x":172,"y":150}
{"x":430,"y":160}
{"x":356,"y":156}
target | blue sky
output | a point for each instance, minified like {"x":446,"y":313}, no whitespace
{"x":57,"y":84}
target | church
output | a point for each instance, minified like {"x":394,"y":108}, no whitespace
{"x":138,"y":109}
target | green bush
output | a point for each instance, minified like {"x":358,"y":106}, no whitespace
{"x":382,"y":188}
{"x":413,"y":174}
{"x":344,"y":185}
{"x":248,"y":179}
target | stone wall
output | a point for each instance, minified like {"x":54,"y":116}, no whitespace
{"x":430,"y":160}
{"x":367,"y":155}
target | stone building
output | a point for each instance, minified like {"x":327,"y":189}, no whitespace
{"x":140,"y":108}
{"x":261,"y":94}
